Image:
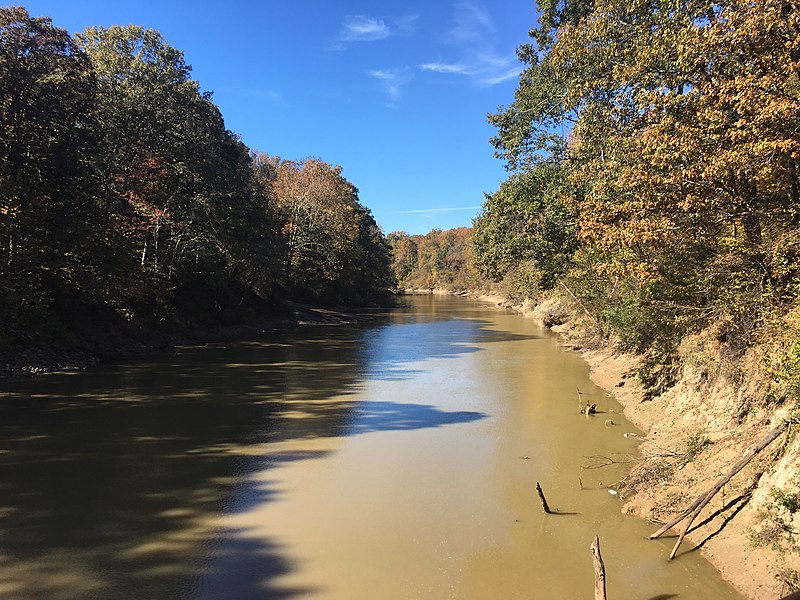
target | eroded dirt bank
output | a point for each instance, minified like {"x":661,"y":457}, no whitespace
{"x":695,"y":432}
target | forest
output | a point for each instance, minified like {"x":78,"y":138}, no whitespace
{"x":126,"y":204}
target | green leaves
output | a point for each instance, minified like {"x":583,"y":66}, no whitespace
{"x":47,"y":145}
{"x":525,"y":220}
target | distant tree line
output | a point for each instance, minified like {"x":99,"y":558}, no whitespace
{"x":122,"y":192}
{"x":439,"y":259}
{"x":655,"y":150}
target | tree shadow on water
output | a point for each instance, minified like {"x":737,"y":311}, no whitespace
{"x":391,"y":349}
{"x":110,"y":481}
{"x":242,"y":568}
{"x":393,"y":416}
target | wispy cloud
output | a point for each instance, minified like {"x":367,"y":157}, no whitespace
{"x":475,"y":37}
{"x":443,"y":67}
{"x":436,"y":211}
{"x":472,"y":24}
{"x":362,"y":28}
{"x":407,"y":24}
{"x":393,"y":80}
{"x":358,"y":28}
{"x":485,"y":69}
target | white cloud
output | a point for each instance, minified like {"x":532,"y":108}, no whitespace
{"x":406,"y":25}
{"x":438,"y":210}
{"x":494,"y":79}
{"x":442,"y":67}
{"x":358,"y":28}
{"x":484,"y":70}
{"x":393,"y":80}
{"x":475,"y":38}
{"x":472,"y":24}
{"x":362,"y":28}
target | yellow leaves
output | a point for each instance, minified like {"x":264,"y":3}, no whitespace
{"x":688,"y":118}
{"x":10,"y":211}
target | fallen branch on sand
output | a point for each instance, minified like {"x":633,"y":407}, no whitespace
{"x":706,"y":497}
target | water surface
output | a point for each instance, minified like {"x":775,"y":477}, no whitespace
{"x":393,"y":460}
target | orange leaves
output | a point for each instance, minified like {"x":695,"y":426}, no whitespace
{"x":687,"y":119}
{"x":320,"y":218}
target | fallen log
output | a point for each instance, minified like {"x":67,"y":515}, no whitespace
{"x":706,"y":497}
{"x":599,"y":571}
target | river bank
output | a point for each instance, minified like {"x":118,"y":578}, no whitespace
{"x":695,"y":431}
{"x":22,"y":361}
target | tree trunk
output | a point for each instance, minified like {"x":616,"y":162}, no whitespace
{"x":144,"y":253}
{"x":543,"y":500}
{"x":794,"y":187}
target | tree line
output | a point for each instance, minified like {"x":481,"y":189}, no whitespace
{"x":437,"y":259}
{"x":123,"y":193}
{"x":654,"y":151}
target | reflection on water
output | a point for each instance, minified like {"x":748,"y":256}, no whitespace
{"x":380,"y":460}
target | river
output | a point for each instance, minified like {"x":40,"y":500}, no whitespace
{"x":395,"y":459}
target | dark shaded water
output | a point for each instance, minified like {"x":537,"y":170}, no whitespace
{"x":374,"y":461}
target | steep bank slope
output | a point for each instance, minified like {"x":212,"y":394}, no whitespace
{"x":696,"y":431}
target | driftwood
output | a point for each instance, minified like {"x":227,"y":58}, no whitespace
{"x":599,"y":571}
{"x":706,"y":497}
{"x":539,"y":491}
{"x":589,"y":409}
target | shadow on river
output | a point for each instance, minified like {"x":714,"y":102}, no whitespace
{"x":113,"y":482}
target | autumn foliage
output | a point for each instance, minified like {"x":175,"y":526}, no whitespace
{"x":675,"y":127}
{"x":440,"y":259}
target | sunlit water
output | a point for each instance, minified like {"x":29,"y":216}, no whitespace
{"x":392,"y":460}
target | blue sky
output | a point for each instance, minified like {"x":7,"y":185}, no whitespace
{"x":395,"y":92}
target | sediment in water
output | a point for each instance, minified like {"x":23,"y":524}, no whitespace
{"x":696,"y":430}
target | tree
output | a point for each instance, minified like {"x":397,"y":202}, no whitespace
{"x":371,"y":273}
{"x":317,"y":210}
{"x":677,"y":123}
{"x":178,"y":190}
{"x":404,"y":254}
{"x":524,"y":221}
{"x":47,"y":186}
{"x":442,"y":259}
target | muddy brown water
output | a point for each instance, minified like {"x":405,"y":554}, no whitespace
{"x":395,"y":460}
